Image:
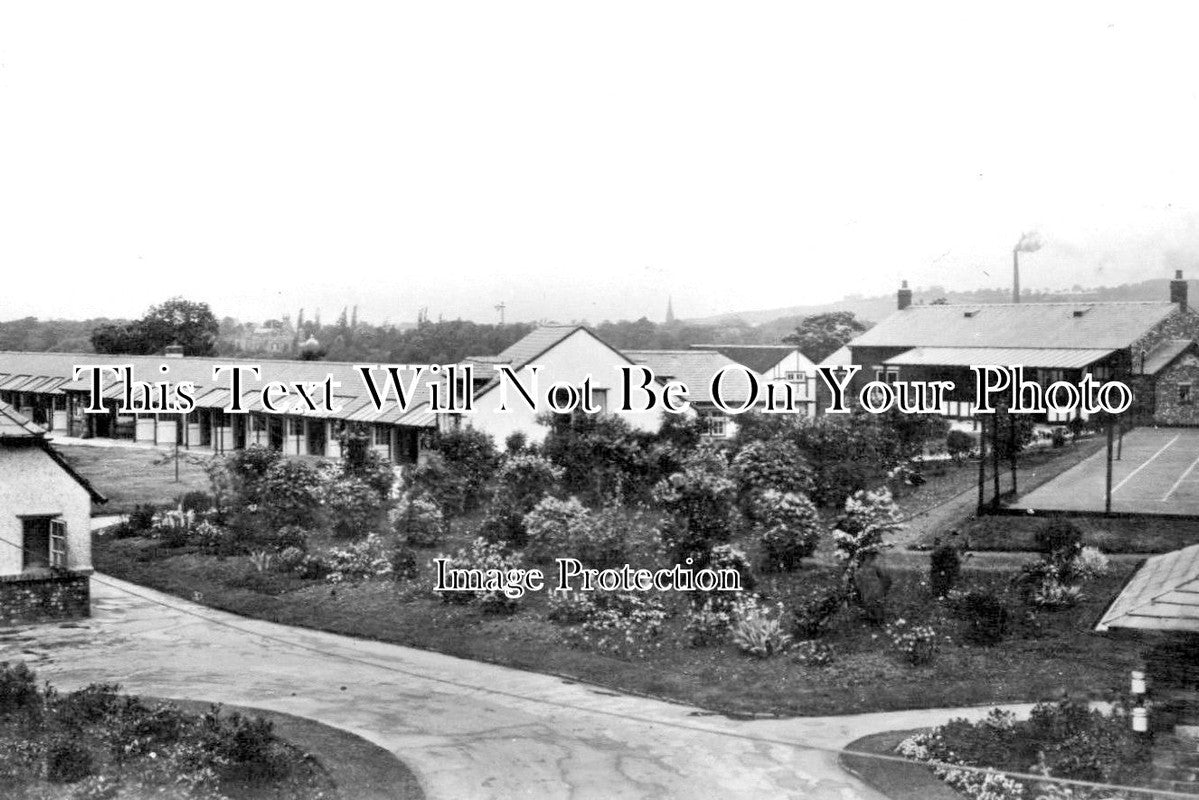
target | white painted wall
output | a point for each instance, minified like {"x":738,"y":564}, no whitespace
{"x":571,"y":360}
{"x":32,"y":483}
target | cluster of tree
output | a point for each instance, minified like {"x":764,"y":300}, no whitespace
{"x":30,"y":334}
{"x":175,"y":322}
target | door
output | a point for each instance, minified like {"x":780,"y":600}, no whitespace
{"x":35,"y":544}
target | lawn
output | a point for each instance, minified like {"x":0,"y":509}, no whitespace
{"x":131,"y":475}
{"x":1114,"y":535}
{"x":1045,"y":654}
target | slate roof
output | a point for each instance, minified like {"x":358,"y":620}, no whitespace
{"x":1043,"y":357}
{"x":758,"y":357}
{"x":1027,"y":325}
{"x":838,"y":358}
{"x":53,"y":373}
{"x":694,"y":368}
{"x":1164,"y":354}
{"x":15,"y":427}
{"x":1162,"y":595}
{"x":532,"y":346}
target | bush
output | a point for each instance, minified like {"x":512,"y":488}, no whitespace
{"x":701,"y":503}
{"x":944,"y":567}
{"x":68,"y":761}
{"x":196,"y":501}
{"x":1059,"y":538}
{"x":625,"y":624}
{"x":552,"y":526}
{"x":811,"y":614}
{"x":290,"y":559}
{"x":418,"y":520}
{"x":247,"y":470}
{"x":792,"y":529}
{"x":18,"y":688}
{"x":959,"y":444}
{"x":1058,"y":437}
{"x":312,"y":568}
{"x":355,"y":507}
{"x":812,"y":653}
{"x":290,"y":537}
{"x":570,"y":607}
{"x":772,"y":465}
{"x":758,"y":631}
{"x":138,"y":523}
{"x":361,"y":462}
{"x":915,"y":644}
{"x":482,"y":555}
{"x":436,"y":480}
{"x":471,"y":454}
{"x":290,"y":492}
{"x":986,"y":618}
{"x":516,"y":442}
{"x":708,"y":624}
{"x":522,"y":481}
{"x":403,"y":562}
{"x":360,"y":561}
{"x":213,"y":538}
{"x":174,"y":527}
{"x":602,"y":457}
{"x":870,"y":517}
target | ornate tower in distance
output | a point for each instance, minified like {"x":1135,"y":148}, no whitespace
{"x":669,"y":310}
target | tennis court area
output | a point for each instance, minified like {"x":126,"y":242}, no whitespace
{"x":1158,"y":473}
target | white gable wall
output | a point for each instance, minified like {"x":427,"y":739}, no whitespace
{"x":34,"y":484}
{"x":574,"y":358}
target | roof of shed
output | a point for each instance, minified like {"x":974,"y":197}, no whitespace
{"x":1162,"y":595}
{"x":1025,"y":325}
{"x":758,"y":357}
{"x":1045,"y":358}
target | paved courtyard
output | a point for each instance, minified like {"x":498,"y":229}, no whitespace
{"x":467,"y":729}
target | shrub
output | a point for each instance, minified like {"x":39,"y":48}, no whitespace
{"x":772,"y":465}
{"x":68,"y":761}
{"x":290,"y":537}
{"x":870,"y":517}
{"x":958,"y":444}
{"x":944,"y":567}
{"x":18,"y":688}
{"x":418,"y":520}
{"x":403,"y":562}
{"x":601,"y":455}
{"x":810,"y":615}
{"x":138,"y":523}
{"x":1058,"y":437}
{"x":792,"y":529}
{"x":1053,"y":595}
{"x":436,"y":480}
{"x":196,"y":501}
{"x":915,"y":644}
{"x":625,"y":624}
{"x":812,"y":653}
{"x":290,"y":492}
{"x":361,"y":462}
{"x":1089,"y":563}
{"x":213,"y":538}
{"x":522,"y":481}
{"x":700,"y":501}
{"x":552,"y":526}
{"x":708,"y":624}
{"x":1060,"y":539}
{"x":986,"y":617}
{"x":471,"y":454}
{"x":355,"y":507}
{"x":484,"y":556}
{"x":515,"y":442}
{"x":312,"y":568}
{"x":757,"y":630}
{"x":290,"y":559}
{"x":247,"y":469}
{"x":570,"y":607}
{"x":173,"y":527}
{"x":360,"y":561}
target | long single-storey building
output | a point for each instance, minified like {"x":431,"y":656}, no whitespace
{"x":1148,"y":345}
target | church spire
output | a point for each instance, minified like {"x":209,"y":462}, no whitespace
{"x":669,"y":310}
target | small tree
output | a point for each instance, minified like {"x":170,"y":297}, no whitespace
{"x":522,"y":481}
{"x":944,"y":566}
{"x":869,"y":519}
{"x":791,"y":530}
{"x":360,"y":461}
{"x":774,"y":465}
{"x":701,"y":502}
{"x":471,"y":454}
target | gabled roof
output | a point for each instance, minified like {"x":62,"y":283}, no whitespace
{"x":1042,"y":357}
{"x":1164,"y":354}
{"x":758,"y":357}
{"x":1163,"y":595}
{"x":1107,"y":326}
{"x":534,"y":345}
{"x":18,"y":429}
{"x":838,"y":358}
{"x":15,"y":425}
{"x":695,"y":368}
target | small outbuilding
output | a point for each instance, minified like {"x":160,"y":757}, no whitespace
{"x":45,"y":527}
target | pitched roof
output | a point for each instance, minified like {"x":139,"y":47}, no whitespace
{"x":1057,"y":325}
{"x":534,"y":343}
{"x":16,"y":427}
{"x":758,"y":357}
{"x":1162,"y":595}
{"x":1164,"y":354}
{"x":1043,"y":357}
{"x":838,"y":358}
{"x":694,"y":368}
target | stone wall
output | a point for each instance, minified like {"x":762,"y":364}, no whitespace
{"x":42,"y":598}
{"x":1169,"y":410}
{"x":1175,"y":326}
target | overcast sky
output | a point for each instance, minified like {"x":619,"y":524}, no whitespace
{"x":583,"y":161}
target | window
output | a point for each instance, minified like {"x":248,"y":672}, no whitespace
{"x":296,"y":426}
{"x":58,"y":543}
{"x":716,"y":425}
{"x":599,"y":400}
{"x":796,"y":377}
{"x":382,"y":436}
{"x":1184,"y":394}
{"x":562,"y":397}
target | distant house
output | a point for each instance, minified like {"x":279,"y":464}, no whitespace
{"x":45,"y":527}
{"x":1148,"y":345}
{"x":772,"y":362}
{"x":696,"y":369}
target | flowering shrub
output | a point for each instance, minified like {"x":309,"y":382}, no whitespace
{"x":213,"y":538}
{"x":1053,"y":594}
{"x":355,"y":507}
{"x":360,"y":561}
{"x":291,"y":492}
{"x":418,"y":520}
{"x":770,"y":465}
{"x":290,"y":536}
{"x":625,"y":624}
{"x":1090,"y":563}
{"x":471,"y":455}
{"x":791,"y":529}
{"x":700,"y":500}
{"x":758,"y":630}
{"x":483,"y":555}
{"x":552,"y":526}
{"x":173,"y":527}
{"x":289,"y":559}
{"x":570,"y":607}
{"x":811,"y":614}
{"x":915,"y":644}
{"x":522,"y":481}
{"x":1056,"y":580}
{"x":812,"y":653}
{"x":869,"y":518}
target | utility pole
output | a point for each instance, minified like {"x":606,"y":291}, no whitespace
{"x":500,"y":308}
{"x":1107,"y":506}
{"x":982,"y":462}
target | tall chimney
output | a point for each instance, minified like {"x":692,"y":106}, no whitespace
{"x":904,"y":296}
{"x":1178,"y":291}
{"x":1016,"y":276}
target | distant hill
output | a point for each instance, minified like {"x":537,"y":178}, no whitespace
{"x":874,"y":308}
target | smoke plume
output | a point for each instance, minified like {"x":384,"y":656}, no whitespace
{"x":1030,"y":242}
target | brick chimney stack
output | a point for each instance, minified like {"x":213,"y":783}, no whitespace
{"x":904,"y":296}
{"x":1178,"y":290}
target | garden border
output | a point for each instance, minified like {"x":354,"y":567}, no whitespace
{"x":896,"y":780}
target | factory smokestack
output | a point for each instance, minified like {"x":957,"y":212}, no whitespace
{"x":1030,"y":242}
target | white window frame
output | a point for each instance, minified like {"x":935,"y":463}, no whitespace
{"x":716,"y":426}
{"x":58,"y":543}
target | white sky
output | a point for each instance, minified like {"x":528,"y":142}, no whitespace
{"x":583,"y":161}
